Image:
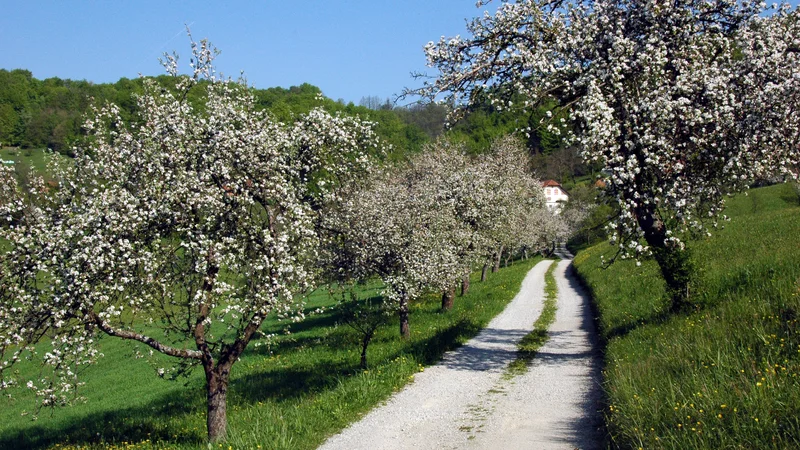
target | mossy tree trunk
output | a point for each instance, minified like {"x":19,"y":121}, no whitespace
{"x":448,"y":298}
{"x":674,"y":263}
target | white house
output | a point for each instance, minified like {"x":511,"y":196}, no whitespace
{"x":554,"y":194}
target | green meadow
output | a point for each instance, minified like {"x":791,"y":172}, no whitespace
{"x":26,"y":159}
{"x":727,"y":373}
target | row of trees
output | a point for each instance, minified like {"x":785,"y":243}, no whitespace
{"x":183,"y":225}
{"x":426,"y":225}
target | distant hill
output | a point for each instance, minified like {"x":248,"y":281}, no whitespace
{"x":36,"y":114}
{"x":49,"y":113}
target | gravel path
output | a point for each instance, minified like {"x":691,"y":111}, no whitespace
{"x":465,"y":402}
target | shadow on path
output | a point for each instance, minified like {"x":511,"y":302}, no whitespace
{"x":492,"y":349}
{"x":586,"y":428}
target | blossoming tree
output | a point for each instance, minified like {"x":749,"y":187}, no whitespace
{"x":682,"y":102}
{"x":512,"y":208}
{"x":181,"y":230}
{"x":424,"y":225}
{"x":390,"y":227}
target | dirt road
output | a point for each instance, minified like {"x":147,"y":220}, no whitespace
{"x":465,"y":401}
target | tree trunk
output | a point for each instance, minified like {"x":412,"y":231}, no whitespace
{"x":676,"y":269}
{"x":464,"y":285}
{"x":364,"y":345}
{"x":364,"y":356}
{"x":217,"y":414}
{"x":484,"y":272}
{"x":448,"y":298}
{"x":675,"y":264}
{"x":525,"y":253}
{"x":405,"y":332}
{"x":497,"y":259}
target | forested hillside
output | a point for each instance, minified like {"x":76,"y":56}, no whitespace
{"x":49,"y":113}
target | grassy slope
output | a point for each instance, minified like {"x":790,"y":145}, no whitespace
{"x":728,"y":374}
{"x":290,"y":394}
{"x":35,"y":159}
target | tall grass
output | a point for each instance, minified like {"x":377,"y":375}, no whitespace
{"x":291,"y":392}
{"x":726,"y":375}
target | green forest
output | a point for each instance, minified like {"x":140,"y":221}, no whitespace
{"x":49,"y":114}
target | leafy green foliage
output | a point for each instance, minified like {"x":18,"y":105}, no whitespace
{"x":484,"y":122}
{"x":49,"y":113}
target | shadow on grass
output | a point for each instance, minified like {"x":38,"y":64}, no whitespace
{"x":290,"y":383}
{"x":624,"y":329}
{"x":153,"y":421}
{"x":430,"y":350}
{"x":130,"y":425}
{"x":312,"y":320}
{"x":157,"y":420}
{"x":790,"y":196}
{"x":577,"y":282}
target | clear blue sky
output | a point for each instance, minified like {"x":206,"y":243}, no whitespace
{"x":348,"y":48}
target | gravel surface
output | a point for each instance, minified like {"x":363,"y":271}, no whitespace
{"x":466,"y":402}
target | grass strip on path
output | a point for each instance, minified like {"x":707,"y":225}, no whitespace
{"x":533,"y":341}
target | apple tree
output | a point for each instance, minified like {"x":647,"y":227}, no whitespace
{"x":681,"y":102}
{"x":181,"y":229}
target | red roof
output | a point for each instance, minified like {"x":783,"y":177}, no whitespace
{"x":551,"y":183}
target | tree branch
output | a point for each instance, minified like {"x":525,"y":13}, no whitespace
{"x":124,"y":334}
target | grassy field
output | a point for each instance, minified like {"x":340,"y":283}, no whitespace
{"x":26,"y":159}
{"x":292,"y":393}
{"x":726,"y":375}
